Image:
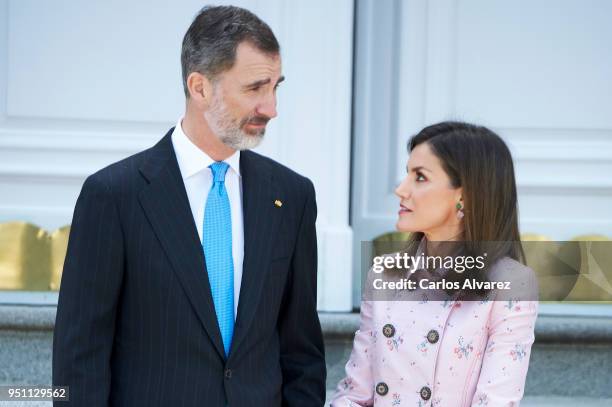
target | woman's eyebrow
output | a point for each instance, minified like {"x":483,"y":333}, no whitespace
{"x":419,"y":168}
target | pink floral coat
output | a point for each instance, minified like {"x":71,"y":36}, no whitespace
{"x":443,"y":353}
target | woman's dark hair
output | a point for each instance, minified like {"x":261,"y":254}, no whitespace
{"x":477,"y":160}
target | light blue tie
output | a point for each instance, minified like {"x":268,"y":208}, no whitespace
{"x":217,"y":245}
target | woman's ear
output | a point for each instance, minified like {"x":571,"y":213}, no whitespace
{"x":459,"y":196}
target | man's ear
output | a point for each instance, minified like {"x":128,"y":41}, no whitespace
{"x":200,"y":89}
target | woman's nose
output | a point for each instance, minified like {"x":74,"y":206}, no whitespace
{"x":402,"y":190}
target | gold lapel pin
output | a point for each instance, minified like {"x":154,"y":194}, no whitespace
{"x":278,"y":203}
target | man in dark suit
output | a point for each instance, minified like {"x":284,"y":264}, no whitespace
{"x":190,"y":277}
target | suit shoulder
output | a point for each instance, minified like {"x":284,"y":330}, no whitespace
{"x":283,"y":172}
{"x":120,"y":172}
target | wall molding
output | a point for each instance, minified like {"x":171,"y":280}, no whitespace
{"x":562,"y":152}
{"x":87,"y":118}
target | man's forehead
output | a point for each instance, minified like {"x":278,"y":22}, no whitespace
{"x":253,"y":63}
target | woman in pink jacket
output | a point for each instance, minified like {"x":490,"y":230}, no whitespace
{"x":451,"y":345}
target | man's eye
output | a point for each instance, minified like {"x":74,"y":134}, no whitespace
{"x":255,"y":89}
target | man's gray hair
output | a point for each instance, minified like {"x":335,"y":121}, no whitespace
{"x":210,"y":43}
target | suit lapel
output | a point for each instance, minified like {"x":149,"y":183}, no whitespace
{"x":261,"y":220}
{"x":166,"y":206}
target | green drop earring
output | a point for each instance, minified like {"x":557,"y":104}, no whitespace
{"x":460,"y":213}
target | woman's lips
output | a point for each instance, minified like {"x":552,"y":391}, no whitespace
{"x":403,"y":210}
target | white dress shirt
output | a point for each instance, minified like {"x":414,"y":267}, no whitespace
{"x":197,"y":177}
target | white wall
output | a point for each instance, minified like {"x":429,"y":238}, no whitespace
{"x":538,"y":73}
{"x":84,"y":84}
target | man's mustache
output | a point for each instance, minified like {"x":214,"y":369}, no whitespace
{"x":257,"y":120}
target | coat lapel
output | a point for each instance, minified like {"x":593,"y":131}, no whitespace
{"x":261,"y":221}
{"x":166,"y":206}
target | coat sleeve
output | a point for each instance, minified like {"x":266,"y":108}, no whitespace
{"x":357,"y":388}
{"x":89,"y":292}
{"x":302,"y":356}
{"x":506,"y":358}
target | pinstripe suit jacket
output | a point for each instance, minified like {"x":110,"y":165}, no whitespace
{"x":136,"y":324}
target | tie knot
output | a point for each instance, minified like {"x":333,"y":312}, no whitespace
{"x":219,"y":169}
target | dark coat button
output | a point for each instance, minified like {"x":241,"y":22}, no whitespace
{"x":228,"y":373}
{"x":425,"y":393}
{"x":388,"y":330}
{"x":433,"y":336}
{"x":382,"y":389}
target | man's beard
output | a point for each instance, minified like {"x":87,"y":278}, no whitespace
{"x":229,"y":130}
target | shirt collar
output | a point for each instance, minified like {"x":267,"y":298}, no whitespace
{"x":191,"y":159}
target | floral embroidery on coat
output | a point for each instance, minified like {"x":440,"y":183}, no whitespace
{"x":397,"y":399}
{"x":450,"y":304}
{"x":347,"y":384}
{"x":422,"y":348}
{"x":483,"y":399}
{"x":513,"y":305}
{"x":463,"y":350}
{"x":518,"y":353}
{"x":395,"y":342}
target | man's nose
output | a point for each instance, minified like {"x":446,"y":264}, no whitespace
{"x":268,"y":107}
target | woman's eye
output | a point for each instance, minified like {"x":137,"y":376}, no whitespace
{"x":420,"y":177}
